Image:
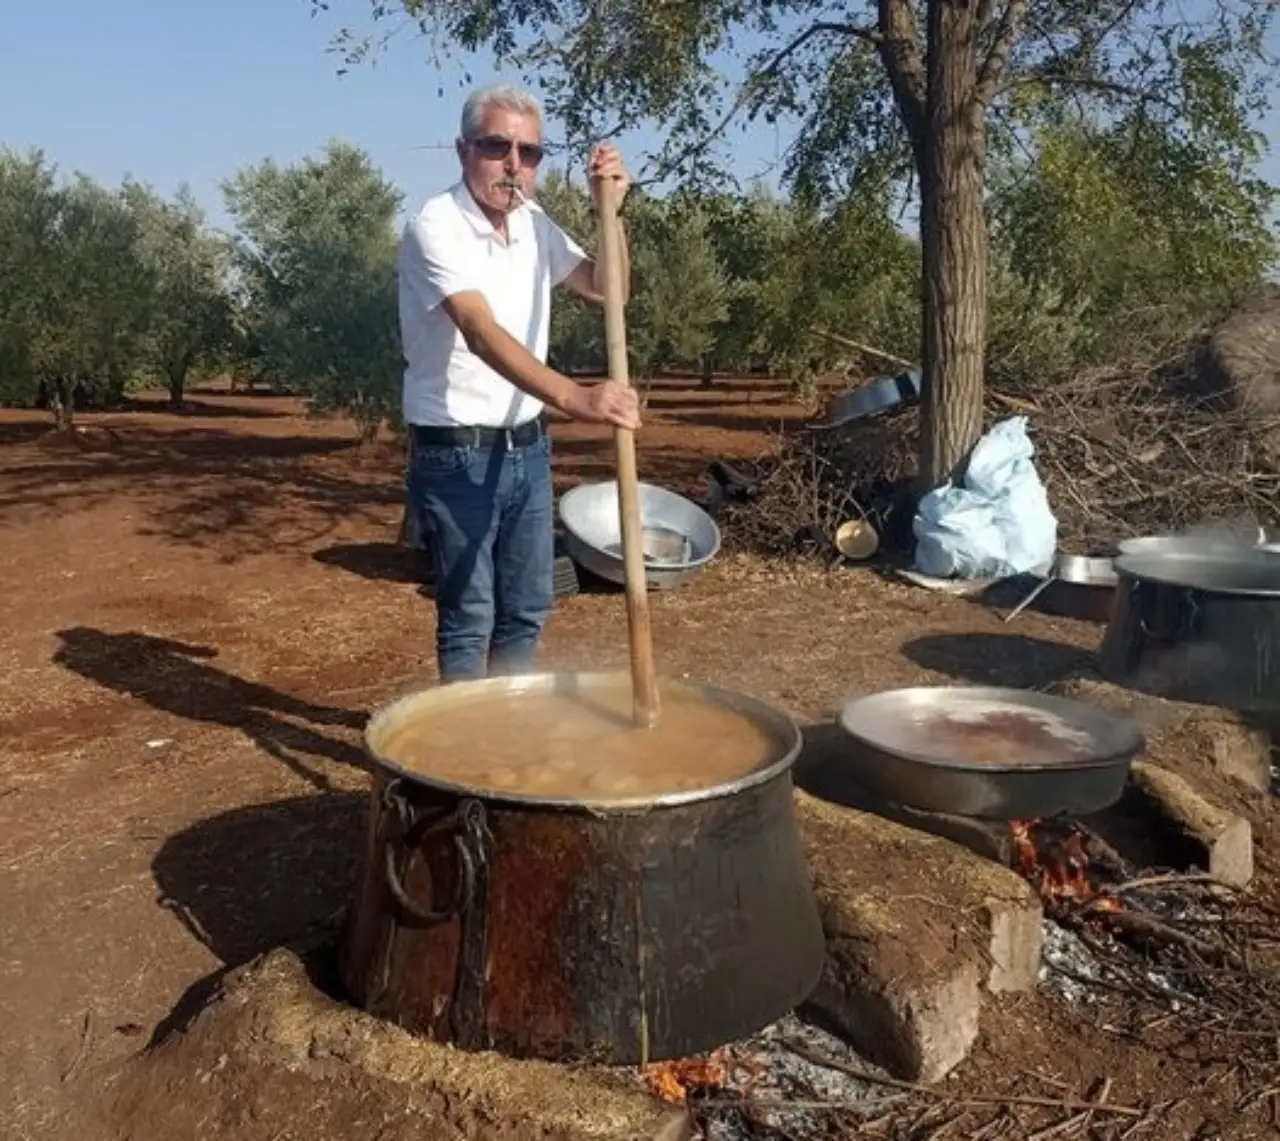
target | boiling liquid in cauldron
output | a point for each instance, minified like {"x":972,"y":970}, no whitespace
{"x":581,"y":746}
{"x":998,"y":736}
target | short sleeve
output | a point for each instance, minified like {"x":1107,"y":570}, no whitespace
{"x":433,"y":261}
{"x":563,"y":253}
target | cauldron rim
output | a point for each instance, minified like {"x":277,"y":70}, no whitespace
{"x":780,"y":722}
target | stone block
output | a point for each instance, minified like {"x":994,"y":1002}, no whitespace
{"x":918,"y":928}
{"x":1196,"y":833}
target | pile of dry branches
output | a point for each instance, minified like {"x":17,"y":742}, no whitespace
{"x":1127,"y":451}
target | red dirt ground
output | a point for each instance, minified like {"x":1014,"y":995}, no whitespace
{"x":199,"y":611}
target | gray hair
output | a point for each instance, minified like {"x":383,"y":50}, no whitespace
{"x":510,"y":95}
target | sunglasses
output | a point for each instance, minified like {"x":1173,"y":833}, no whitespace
{"x":499,"y":146}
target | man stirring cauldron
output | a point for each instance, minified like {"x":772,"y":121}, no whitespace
{"x":476,"y":268}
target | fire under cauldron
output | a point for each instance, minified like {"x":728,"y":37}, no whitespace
{"x":572,"y":931}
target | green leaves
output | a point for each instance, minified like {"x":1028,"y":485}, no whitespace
{"x":739,"y":281}
{"x":189,"y":312}
{"x":74,"y":291}
{"x":316,"y":255}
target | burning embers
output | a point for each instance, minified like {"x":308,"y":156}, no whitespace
{"x":1178,"y":944}
{"x":786,"y":1081}
{"x":674,"y":1081}
{"x":1055,"y":858}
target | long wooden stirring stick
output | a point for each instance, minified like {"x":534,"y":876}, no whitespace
{"x":644,"y":680}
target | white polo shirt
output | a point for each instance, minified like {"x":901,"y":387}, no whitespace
{"x":450,"y":247}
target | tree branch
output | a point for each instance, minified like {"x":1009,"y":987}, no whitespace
{"x":751,"y":85}
{"x":993,"y":66}
{"x":899,"y":44}
{"x":1140,"y":95}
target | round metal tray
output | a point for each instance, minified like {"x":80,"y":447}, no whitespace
{"x":892,"y":760}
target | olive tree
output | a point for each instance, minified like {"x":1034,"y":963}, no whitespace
{"x":73,"y":289}
{"x":189,"y":312}
{"x":316,"y":258}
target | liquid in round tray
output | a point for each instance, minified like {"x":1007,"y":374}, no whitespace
{"x":997,"y":735}
{"x":581,"y":744}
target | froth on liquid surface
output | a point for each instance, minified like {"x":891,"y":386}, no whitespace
{"x":581,"y":746}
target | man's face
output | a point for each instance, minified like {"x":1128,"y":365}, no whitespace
{"x":503,"y":155}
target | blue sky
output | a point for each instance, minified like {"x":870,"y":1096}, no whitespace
{"x":191,"y":90}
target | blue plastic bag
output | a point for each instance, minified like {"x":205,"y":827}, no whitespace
{"x":997,"y":523}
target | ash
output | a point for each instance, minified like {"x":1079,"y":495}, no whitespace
{"x":1085,"y":971}
{"x":771,"y":1068}
{"x":1069,"y":968}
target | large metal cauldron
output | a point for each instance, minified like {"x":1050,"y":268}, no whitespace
{"x":1198,"y":627}
{"x":567,"y":931}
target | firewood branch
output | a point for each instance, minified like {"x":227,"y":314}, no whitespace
{"x":899,"y":45}
{"x":997,"y":60}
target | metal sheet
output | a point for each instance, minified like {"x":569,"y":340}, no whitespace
{"x":1207,"y":545}
{"x":877,"y":396}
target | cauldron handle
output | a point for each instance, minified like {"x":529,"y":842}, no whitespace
{"x":1187,"y":618}
{"x":412,"y":825}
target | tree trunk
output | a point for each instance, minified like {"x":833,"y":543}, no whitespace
{"x":177,"y":386}
{"x":954,"y":243}
{"x":62,"y":399}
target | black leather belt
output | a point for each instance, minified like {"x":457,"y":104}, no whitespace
{"x":521,"y":436}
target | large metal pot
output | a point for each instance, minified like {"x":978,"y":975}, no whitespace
{"x":1196,"y":544}
{"x":887,"y":762}
{"x":572,"y":931}
{"x":1200,"y":628}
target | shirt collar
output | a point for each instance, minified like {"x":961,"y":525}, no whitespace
{"x":481,"y":224}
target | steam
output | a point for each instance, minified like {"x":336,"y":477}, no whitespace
{"x":1241,"y":529}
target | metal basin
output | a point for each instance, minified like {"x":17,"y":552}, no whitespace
{"x":1059,"y":755}
{"x":1084,"y":570}
{"x":679,"y":537}
{"x":1077,"y":586}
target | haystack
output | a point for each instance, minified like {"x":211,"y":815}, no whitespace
{"x":1239,"y":362}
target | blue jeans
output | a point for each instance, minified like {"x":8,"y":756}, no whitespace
{"x":486,"y":515}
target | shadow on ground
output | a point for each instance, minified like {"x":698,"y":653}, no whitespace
{"x":209,"y":487}
{"x":381,"y":562}
{"x":197,"y":409}
{"x":997,"y":659}
{"x":266,"y":875}
{"x":175,"y":677}
{"x":256,"y":878}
